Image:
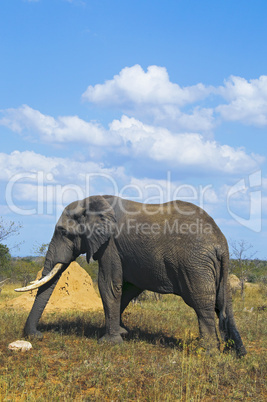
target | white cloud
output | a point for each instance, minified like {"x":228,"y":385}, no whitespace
{"x":152,"y":95}
{"x":60,"y":130}
{"x":33,"y":176}
{"x":38,"y":185}
{"x":53,"y":169}
{"x":131,"y":137}
{"x":264,"y":183}
{"x":201,"y":119}
{"x":181,"y":150}
{"x":247,"y":100}
{"x":160,"y":191}
{"x":134,"y":85}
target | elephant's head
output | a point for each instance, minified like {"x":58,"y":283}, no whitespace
{"x":83,"y":227}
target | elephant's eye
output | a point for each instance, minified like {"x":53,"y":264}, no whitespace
{"x":62,"y":231}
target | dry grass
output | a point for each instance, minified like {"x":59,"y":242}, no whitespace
{"x":160,"y":360}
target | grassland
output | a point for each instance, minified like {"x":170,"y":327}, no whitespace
{"x":159,"y":361}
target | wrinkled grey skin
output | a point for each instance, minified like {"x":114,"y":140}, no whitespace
{"x":174,"y":247}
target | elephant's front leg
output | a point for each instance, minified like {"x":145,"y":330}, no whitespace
{"x":110,"y":287}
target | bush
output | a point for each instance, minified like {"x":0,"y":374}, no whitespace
{"x":5,"y":259}
{"x":22,"y":270}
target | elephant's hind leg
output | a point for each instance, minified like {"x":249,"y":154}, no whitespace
{"x":205,"y":311}
{"x":228,"y":329}
{"x":129,"y":292}
{"x":229,"y":332}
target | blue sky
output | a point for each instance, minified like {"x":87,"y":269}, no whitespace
{"x":149,"y":100}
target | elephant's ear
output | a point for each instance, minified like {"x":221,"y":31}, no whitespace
{"x":100,"y":223}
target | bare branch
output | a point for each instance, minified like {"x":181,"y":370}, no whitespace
{"x":8,"y":229}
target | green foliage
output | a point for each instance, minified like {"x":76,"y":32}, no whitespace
{"x":242,"y":264}
{"x":23,"y":270}
{"x":242,"y":269}
{"x":258,"y":272}
{"x":91,"y":269}
{"x":253,"y":270}
{"x":5,"y":259}
{"x":42,"y":249}
{"x":4,"y":253}
{"x":7,"y":229}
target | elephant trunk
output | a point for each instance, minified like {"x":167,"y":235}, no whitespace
{"x":38,"y":307}
{"x":50,"y":277}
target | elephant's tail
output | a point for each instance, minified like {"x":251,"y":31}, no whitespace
{"x":224,"y":276}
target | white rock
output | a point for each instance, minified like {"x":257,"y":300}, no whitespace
{"x":248,"y":310}
{"x":24,"y":346}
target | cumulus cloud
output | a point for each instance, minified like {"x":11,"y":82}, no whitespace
{"x":60,"y":130}
{"x":134,"y":85}
{"x":151,"y":94}
{"x":129,"y":136}
{"x":199,"y":119}
{"x":181,"y":150}
{"x":53,"y":169}
{"x":37,"y":180}
{"x":159,"y":191}
{"x":247,"y":100}
{"x":152,"y":98}
{"x":37,"y":184}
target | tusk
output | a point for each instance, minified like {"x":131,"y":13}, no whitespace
{"x":41,"y":282}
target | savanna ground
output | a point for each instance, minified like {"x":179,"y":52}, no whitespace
{"x":159,"y":361}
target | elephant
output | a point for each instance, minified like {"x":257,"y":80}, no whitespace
{"x":169,"y":248}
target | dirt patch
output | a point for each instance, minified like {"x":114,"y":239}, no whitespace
{"x":234,"y":282}
{"x":74,"y":291}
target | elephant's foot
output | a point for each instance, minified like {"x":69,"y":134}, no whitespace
{"x":32,"y":333}
{"x":208,"y":347}
{"x":241,"y":351}
{"x":230,"y":346}
{"x":114,"y":339}
{"x":123,"y":330}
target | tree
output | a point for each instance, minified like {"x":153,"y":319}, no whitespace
{"x":23,"y":270}
{"x":8,"y":229}
{"x":5,"y":259}
{"x":40,"y":251}
{"x":242,"y":263}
